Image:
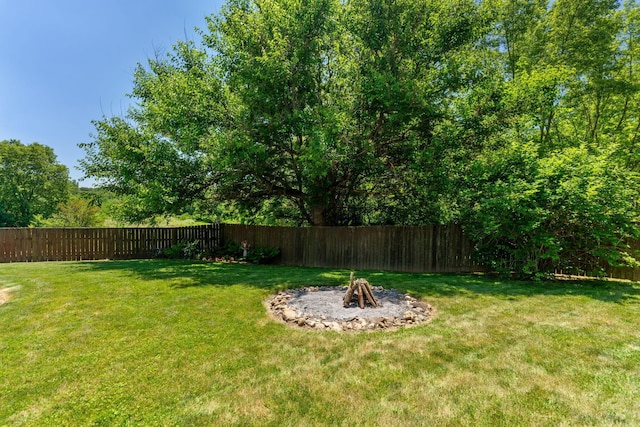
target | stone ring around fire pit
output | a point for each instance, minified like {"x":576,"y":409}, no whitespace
{"x":322,"y":308}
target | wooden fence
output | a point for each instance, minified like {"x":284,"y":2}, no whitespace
{"x":72,"y":244}
{"x":428,"y":249}
{"x":423,"y":249}
{"x":441,"y":249}
{"x":435,"y":248}
{"x":626,"y":273}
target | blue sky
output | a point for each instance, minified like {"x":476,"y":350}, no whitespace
{"x":64,"y":63}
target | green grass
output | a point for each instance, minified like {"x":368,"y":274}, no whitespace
{"x":187,"y":344}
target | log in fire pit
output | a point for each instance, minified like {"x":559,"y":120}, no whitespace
{"x":359,"y":291}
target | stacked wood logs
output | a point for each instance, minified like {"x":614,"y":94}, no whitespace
{"x":361,"y":289}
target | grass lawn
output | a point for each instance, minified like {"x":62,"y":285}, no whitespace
{"x":182,"y":343}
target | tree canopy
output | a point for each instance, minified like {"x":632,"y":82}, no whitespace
{"x":318,"y":110}
{"x":32,"y":183}
{"x":519,"y":119}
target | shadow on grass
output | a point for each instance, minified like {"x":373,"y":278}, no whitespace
{"x":480,"y":284}
{"x":186,"y":273}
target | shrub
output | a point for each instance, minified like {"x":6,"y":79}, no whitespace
{"x":570,"y":211}
{"x":262,"y":255}
{"x":258,"y":255}
{"x":228,"y":251}
{"x":184,"y":250}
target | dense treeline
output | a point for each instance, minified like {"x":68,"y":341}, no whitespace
{"x":519,"y":119}
{"x":35,"y":190}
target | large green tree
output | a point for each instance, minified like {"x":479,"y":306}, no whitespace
{"x":32,"y":183}
{"x":320,"y":110}
{"x":518,"y":118}
{"x":559,"y":189}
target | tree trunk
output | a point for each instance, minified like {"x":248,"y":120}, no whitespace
{"x":317,"y":215}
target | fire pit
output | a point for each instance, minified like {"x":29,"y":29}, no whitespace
{"x":333,"y":308}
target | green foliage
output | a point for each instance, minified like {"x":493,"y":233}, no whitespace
{"x":554,"y":186}
{"x":184,"y":250}
{"x":255,"y":255}
{"x":261,"y":255}
{"x":566,"y":212}
{"x":32,"y":183}
{"x":302,"y":107}
{"x":229,"y":250}
{"x":518,"y":118}
{"x":192,"y":250}
{"x":174,"y":251}
{"x":75,"y":212}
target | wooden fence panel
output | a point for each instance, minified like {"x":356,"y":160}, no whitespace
{"x":440,"y":249}
{"x":23,"y":249}
{"x":436,"y":249}
{"x":12,"y":242}
{"x":626,"y":273}
{"x":74,"y":244}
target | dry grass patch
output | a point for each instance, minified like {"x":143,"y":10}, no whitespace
{"x":5,"y":295}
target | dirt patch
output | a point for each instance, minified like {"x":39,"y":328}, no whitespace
{"x":5,"y":295}
{"x":322,"y":308}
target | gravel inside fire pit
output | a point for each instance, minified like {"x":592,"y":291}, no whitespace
{"x":322,"y":308}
